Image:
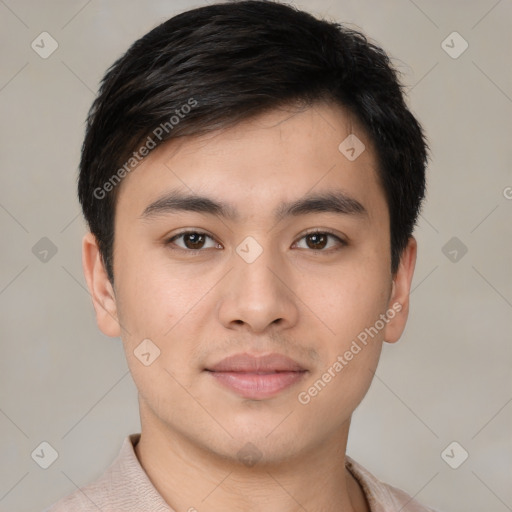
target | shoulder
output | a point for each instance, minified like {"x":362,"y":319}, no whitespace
{"x":97,"y":495}
{"x":383,"y":497}
{"x":123,"y":487}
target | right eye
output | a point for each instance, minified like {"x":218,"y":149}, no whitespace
{"x":192,"y":241}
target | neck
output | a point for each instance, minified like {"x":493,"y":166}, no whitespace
{"x":191,"y":478}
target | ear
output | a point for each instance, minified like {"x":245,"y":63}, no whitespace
{"x":398,"y":305}
{"x":100,"y":288}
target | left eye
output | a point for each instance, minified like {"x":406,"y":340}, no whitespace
{"x":319,"y":240}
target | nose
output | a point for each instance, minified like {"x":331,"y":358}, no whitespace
{"x":258,"y":296}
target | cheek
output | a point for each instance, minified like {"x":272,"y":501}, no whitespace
{"x":348,"y":301}
{"x":152,"y":297}
{"x":158,"y":303}
{"x":352,"y":357}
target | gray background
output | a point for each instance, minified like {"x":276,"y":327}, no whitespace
{"x":448,"y":379}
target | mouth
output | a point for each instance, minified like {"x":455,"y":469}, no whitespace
{"x":257,"y":377}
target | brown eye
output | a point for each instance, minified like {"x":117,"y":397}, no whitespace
{"x":316,"y":240}
{"x":193,"y":241}
{"x":320,"y":240}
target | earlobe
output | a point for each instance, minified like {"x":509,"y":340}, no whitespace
{"x":399,"y":297}
{"x":100,"y":287}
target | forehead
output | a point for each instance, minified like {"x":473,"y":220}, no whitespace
{"x":274,"y":157}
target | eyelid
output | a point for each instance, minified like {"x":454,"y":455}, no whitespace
{"x":323,"y":231}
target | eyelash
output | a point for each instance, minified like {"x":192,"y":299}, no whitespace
{"x":169,"y":241}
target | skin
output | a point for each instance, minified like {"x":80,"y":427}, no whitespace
{"x":297,"y":299}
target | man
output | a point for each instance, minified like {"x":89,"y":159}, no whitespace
{"x":251,"y":177}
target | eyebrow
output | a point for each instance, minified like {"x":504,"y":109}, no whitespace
{"x":329,"y":202}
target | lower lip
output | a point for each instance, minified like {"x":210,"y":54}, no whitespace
{"x":258,"y":386}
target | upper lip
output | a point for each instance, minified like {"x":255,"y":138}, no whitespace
{"x":251,"y":363}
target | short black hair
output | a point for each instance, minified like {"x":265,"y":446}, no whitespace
{"x":214,"y":66}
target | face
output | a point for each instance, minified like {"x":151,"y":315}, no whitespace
{"x":266,"y":245}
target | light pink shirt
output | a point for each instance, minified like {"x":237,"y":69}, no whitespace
{"x":125,"y":487}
